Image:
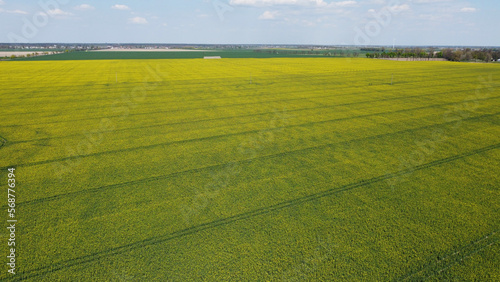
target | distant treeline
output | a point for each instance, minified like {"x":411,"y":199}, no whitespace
{"x":486,"y":55}
{"x":342,"y":53}
{"x":406,"y":53}
{"x":457,"y":55}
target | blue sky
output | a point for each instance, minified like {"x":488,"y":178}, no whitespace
{"x":359,"y":22}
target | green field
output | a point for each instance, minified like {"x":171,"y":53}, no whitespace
{"x":283,"y":169}
{"x":224,"y":53}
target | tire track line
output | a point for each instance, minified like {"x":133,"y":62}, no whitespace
{"x":3,"y":141}
{"x":463,"y":253}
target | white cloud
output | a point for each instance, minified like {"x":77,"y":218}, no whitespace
{"x":58,"y":12}
{"x":429,"y":1}
{"x":344,"y":4}
{"x":2,"y":2}
{"x":261,"y":3}
{"x":303,"y":3}
{"x":468,"y":10}
{"x":120,"y":7}
{"x":441,"y":18}
{"x":18,"y":12}
{"x":84,"y":7}
{"x":268,"y":15}
{"x":138,"y":20}
{"x":399,"y":8}
{"x":13,"y":11}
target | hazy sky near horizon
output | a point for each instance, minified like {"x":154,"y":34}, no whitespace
{"x":322,"y":22}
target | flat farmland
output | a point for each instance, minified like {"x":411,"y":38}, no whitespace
{"x":282,"y":169}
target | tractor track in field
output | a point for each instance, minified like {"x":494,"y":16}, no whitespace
{"x":437,"y":267}
{"x":242,"y":133}
{"x":228,"y":220}
{"x":194,"y":170}
{"x":241,"y":104}
{"x":3,"y":141}
{"x":240,"y":116}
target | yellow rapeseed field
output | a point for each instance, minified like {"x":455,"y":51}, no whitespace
{"x":310,"y":169}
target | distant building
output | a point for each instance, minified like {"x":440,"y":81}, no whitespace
{"x":212,"y":57}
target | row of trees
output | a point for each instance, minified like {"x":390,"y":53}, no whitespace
{"x":458,"y":55}
{"x":282,"y":51}
{"x":328,"y":53}
{"x":467,"y":55}
{"x":342,"y":54}
{"x":406,"y":53}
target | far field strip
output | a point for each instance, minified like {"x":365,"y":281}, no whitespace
{"x":333,"y":76}
{"x":401,"y":77}
{"x":366,"y":92}
{"x":21,"y":53}
{"x":150,"y":50}
{"x":171,"y":74}
{"x":246,"y":132}
{"x":336,"y":96}
{"x":327,"y":106}
{"x":220,"y":84}
{"x":229,"y":220}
